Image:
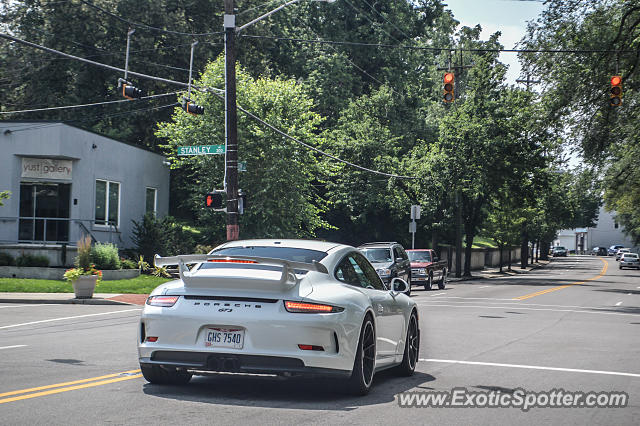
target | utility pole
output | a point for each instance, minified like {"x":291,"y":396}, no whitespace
{"x":231,"y":121}
{"x":524,"y":246}
{"x":458,"y":69}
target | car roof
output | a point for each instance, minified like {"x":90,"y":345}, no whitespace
{"x":378,"y":244}
{"x":292,"y":243}
{"x":408,"y":250}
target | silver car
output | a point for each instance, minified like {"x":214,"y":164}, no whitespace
{"x":622,"y":251}
{"x":629,"y":260}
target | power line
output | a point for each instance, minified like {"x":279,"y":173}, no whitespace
{"x":212,"y":90}
{"x":148,"y":27}
{"x":96,"y":117}
{"x":434,"y":49}
{"x":77,"y":58}
{"x":87,"y":105}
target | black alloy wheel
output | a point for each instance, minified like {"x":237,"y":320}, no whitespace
{"x":411,"y":348}
{"x":365,"y":361}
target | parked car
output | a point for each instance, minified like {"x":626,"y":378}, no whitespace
{"x":613,"y":249}
{"x":426,"y":267}
{"x":629,"y":260}
{"x":285,"y":307}
{"x":622,"y":251}
{"x":599,"y":251}
{"x":390,"y":261}
{"x":559,"y":251}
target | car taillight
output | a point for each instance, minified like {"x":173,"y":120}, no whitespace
{"x":310,"y":308}
{"x":226,"y":260}
{"x":164,"y":301}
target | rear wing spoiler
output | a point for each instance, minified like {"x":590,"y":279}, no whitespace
{"x":288,"y":266}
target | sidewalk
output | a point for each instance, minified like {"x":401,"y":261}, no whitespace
{"x":57,"y":298}
{"x":495,"y":272}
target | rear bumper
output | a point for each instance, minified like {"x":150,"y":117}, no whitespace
{"x":238,"y":363}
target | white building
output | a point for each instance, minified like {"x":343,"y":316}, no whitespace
{"x":606,"y":233}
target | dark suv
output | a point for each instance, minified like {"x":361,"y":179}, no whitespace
{"x":390,"y":261}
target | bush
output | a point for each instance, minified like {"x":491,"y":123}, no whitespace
{"x":6,"y":259}
{"x":32,"y":260}
{"x":128,"y":264}
{"x":203,"y":249}
{"x":105,"y":256}
{"x":83,"y":259}
{"x":165,"y":237}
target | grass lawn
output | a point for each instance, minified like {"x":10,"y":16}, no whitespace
{"x":140,"y":285}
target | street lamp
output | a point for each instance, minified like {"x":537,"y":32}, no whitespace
{"x":231,"y":112}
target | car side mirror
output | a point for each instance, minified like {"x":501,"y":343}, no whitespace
{"x":398,"y":285}
{"x":436,"y":259}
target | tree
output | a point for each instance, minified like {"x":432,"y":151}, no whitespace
{"x":281,"y":175}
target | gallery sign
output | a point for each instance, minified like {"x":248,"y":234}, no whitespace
{"x":45,"y":168}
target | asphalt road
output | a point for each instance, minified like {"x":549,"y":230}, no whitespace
{"x":573,"y":325}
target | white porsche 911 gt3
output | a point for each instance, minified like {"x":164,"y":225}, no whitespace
{"x":285,"y":307}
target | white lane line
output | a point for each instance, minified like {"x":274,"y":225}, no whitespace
{"x":437,"y":294}
{"x":619,"y":303}
{"x":530,"y":367}
{"x":11,"y":347}
{"x":521,"y":307}
{"x":67,"y":318}
{"x":485,"y":286}
{"x":474,"y":298}
{"x":27,"y":306}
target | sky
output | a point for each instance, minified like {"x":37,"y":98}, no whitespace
{"x":507,"y":16}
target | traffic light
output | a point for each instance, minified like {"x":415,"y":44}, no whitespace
{"x":190,"y":107}
{"x":616,"y":91}
{"x":448,"y":80}
{"x":128,"y":90}
{"x":213,"y":200}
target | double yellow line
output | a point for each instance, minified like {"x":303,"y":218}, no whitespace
{"x":549,"y":290}
{"x":68,"y":386}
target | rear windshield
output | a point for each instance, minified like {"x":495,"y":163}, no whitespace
{"x":628,"y":255}
{"x":559,"y":248}
{"x":285,"y":253}
{"x":419,"y":256}
{"x":377,"y":255}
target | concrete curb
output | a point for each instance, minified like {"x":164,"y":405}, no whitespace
{"x":496,"y":274}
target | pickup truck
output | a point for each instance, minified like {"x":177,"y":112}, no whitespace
{"x":426,"y":267}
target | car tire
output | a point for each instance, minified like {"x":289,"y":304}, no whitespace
{"x":443,"y":281}
{"x":411,"y":348}
{"x":365,"y":360}
{"x":160,"y":376}
{"x":429,"y":282}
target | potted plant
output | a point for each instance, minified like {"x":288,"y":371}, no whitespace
{"x":84,"y":277}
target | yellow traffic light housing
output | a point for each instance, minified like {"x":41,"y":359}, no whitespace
{"x":448,"y":80}
{"x":616,"y":91}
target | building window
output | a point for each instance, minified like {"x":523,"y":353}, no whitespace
{"x":151,"y":200}
{"x":107,"y":203}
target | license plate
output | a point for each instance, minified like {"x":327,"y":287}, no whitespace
{"x":418,"y":278}
{"x":224,"y":338}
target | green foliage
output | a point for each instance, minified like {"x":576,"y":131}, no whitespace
{"x":161,"y":236}
{"x":280,"y":173}
{"x":6,"y":259}
{"x":128,"y":264}
{"x":32,"y":260}
{"x":105,"y":256}
{"x":4,"y":195}
{"x":73,"y":274}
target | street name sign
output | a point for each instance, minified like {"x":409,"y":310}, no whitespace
{"x":201,"y":150}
